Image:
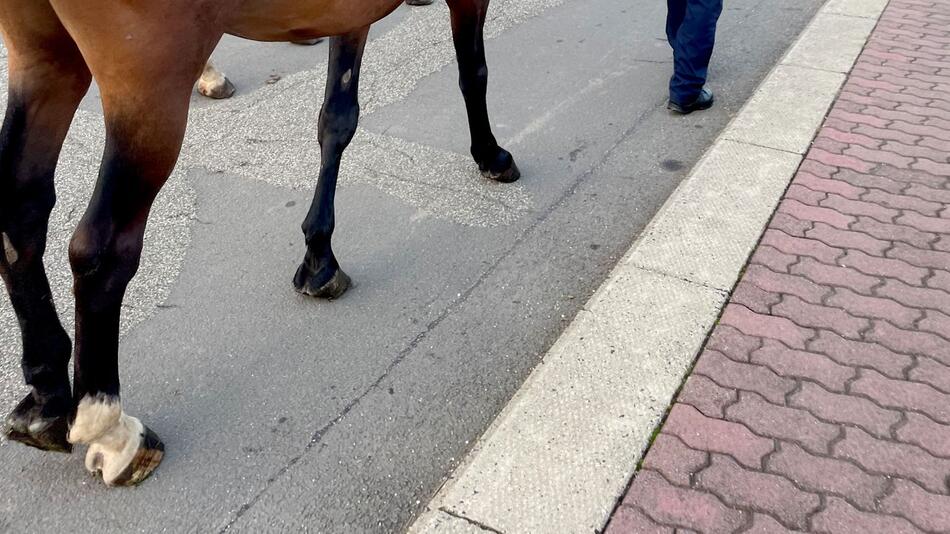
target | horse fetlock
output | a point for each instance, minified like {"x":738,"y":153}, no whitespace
{"x":96,"y":416}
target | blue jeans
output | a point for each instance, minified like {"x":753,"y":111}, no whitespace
{"x":691,"y":31}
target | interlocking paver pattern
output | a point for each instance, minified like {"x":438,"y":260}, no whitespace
{"x":821,"y":402}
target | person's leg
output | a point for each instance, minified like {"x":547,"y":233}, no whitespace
{"x":692,"y":49}
{"x":675,"y":11}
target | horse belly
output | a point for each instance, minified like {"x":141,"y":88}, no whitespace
{"x":287,"y":20}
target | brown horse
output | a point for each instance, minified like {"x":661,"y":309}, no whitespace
{"x":145,"y":56}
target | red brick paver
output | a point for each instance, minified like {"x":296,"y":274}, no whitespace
{"x":822,"y":400}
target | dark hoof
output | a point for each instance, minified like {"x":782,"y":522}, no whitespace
{"x":308,"y":42}
{"x":217,"y":91}
{"x":29,"y":426}
{"x":306,"y":284}
{"x":501,"y":169}
{"x":145,"y":461}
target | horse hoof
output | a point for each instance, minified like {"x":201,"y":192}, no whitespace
{"x":127,"y":467}
{"x":27,"y":425}
{"x":501,"y":169}
{"x":333,"y":289}
{"x":308,"y":42}
{"x":511,"y":174}
{"x":218,"y":90}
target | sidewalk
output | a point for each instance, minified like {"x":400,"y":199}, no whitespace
{"x":821,"y":402}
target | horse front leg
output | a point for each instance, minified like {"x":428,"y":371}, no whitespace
{"x":320,"y":275}
{"x":145,"y":106}
{"x":143,"y":137}
{"x":47,"y":79}
{"x":468,"y":22}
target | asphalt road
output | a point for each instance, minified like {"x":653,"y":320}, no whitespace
{"x":280,"y":412}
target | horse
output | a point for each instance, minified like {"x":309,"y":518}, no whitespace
{"x":146,"y":57}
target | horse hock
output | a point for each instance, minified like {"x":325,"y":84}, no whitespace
{"x":122,"y":450}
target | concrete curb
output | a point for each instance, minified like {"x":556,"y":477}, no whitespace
{"x":562,"y":451}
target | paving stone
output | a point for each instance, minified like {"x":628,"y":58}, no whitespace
{"x":800,"y":364}
{"x":744,"y":376}
{"x":668,"y":504}
{"x":816,"y":183}
{"x":893,"y":232}
{"x":733,"y":343}
{"x":894,"y":459}
{"x":861,"y":354}
{"x":773,"y":282}
{"x":845,"y":409}
{"x":847,"y":239}
{"x":756,"y":490}
{"x":789,"y":424}
{"x":927,"y":433}
{"x":706,"y":396}
{"x":906,"y":201}
{"x":874,"y":308}
{"x":705,"y":433}
{"x":915,"y":296}
{"x":827,"y":475}
{"x":789,"y":224}
{"x":841,"y":275}
{"x":801,"y":247}
{"x":773,"y":258}
{"x":674,"y":460}
{"x":767,"y":326}
{"x":903,"y":395}
{"x":910,"y":342}
{"x":925,"y":509}
{"x":802,"y":203}
{"x":883,"y":267}
{"x":839,"y":517}
{"x":629,"y":520}
{"x":931,"y":372}
{"x":763,"y":524}
{"x":815,"y":316}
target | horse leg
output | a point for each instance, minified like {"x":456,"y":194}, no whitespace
{"x":214,"y":84}
{"x":146,"y":84}
{"x":320,"y":275}
{"x":47,"y":80}
{"x":468,"y":22}
{"x":143,"y":137}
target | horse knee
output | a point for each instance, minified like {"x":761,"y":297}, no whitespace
{"x":338,"y":121}
{"x":474,"y":80}
{"x":112,"y":260}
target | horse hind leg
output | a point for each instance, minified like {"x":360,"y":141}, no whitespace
{"x":47,"y":80}
{"x":214,"y":84}
{"x":468,"y":22}
{"x":320,"y":275}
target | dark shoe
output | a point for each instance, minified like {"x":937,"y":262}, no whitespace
{"x":419,"y":2}
{"x":703,"y":101}
{"x":308,"y":42}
